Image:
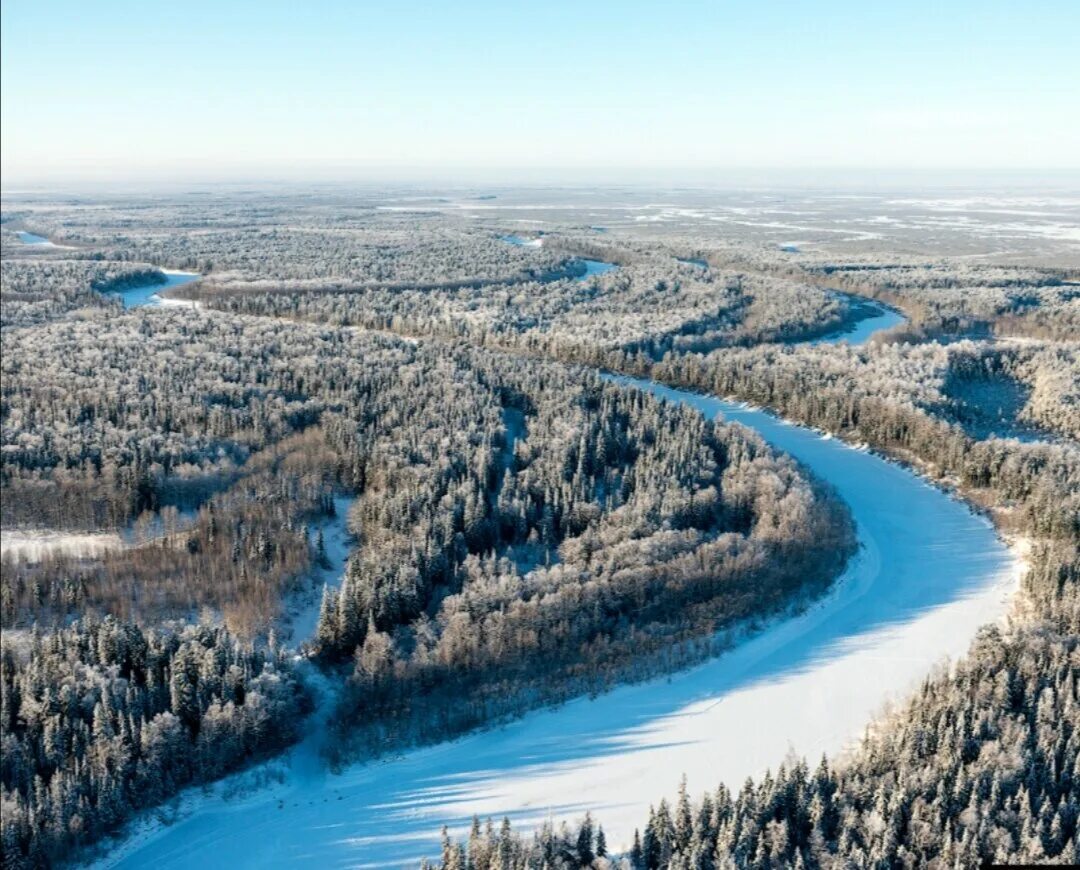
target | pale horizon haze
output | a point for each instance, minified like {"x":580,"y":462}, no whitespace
{"x":125,"y":91}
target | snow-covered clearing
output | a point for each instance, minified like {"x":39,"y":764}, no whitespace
{"x":170,"y":302}
{"x":33,"y":546}
{"x":929,"y":572}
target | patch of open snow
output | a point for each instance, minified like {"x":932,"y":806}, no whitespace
{"x":168,"y":302}
{"x":523,"y":242}
{"x":32,"y":546}
{"x":928,"y":574}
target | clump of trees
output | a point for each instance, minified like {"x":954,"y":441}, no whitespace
{"x":945,"y":297}
{"x":654,"y":304}
{"x":105,"y":417}
{"x":584,"y":845}
{"x":1030,"y":390}
{"x":262,"y":249}
{"x":102,"y":719}
{"x":615,"y":536}
{"x":1041,"y":479}
{"x":963,"y":298}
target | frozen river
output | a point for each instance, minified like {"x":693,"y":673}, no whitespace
{"x":929,"y":572}
{"x":592,"y":267}
{"x":144,"y":294}
{"x":150,"y":294}
{"x":874,"y":317}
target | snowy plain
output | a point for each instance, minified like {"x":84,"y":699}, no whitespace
{"x":929,"y":572}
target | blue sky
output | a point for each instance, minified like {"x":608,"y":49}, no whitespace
{"x":227,"y":87}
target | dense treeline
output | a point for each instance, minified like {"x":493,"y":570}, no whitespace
{"x":981,"y":765}
{"x":1027,"y":389}
{"x":525,"y":532}
{"x":1015,"y":390}
{"x":945,"y":297}
{"x":102,"y":720}
{"x":1041,"y":479}
{"x":952,"y":298}
{"x":653,"y":306}
{"x":272,"y":251}
{"x":105,"y":418}
{"x":304,"y":244}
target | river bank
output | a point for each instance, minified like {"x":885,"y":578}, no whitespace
{"x":928,"y":574}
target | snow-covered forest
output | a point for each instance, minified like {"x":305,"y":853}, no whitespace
{"x":523,"y":531}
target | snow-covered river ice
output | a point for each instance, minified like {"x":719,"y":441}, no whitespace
{"x":34,"y":239}
{"x":874,"y":317}
{"x":592,"y":267}
{"x":150,"y":294}
{"x":929,"y":572}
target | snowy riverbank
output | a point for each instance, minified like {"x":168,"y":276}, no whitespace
{"x":929,"y":572}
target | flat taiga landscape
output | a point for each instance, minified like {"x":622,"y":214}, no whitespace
{"x":463,"y":499}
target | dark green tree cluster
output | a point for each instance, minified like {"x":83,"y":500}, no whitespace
{"x":102,"y":720}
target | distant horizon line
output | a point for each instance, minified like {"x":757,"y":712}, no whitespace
{"x":523,"y":176}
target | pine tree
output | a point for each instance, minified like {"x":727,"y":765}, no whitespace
{"x":637,"y":852}
{"x":322,"y":559}
{"x":326,"y":630}
{"x":684,"y":819}
{"x":585,"y":852}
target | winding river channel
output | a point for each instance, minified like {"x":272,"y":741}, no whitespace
{"x":928,"y":573}
{"x":150,"y":294}
{"x":871,"y":317}
{"x":132,"y":297}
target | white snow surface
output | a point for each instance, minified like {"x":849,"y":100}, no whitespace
{"x":169,"y":302}
{"x":929,"y":572}
{"x":33,"y":546}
